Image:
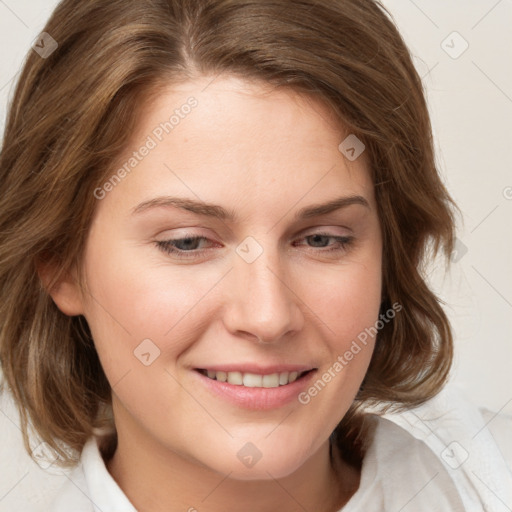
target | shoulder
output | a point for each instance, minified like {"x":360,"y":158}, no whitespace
{"x":73,"y":495}
{"x":400,"y":472}
{"x":470,"y":445}
{"x":500,"y":427}
{"x":90,"y":487}
{"x":25,"y":486}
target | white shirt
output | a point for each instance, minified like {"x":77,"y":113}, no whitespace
{"x":435,"y":458}
{"x":439,"y":457}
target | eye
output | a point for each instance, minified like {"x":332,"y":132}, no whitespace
{"x":189,"y":246}
{"x":320,"y":240}
{"x":182,"y":247}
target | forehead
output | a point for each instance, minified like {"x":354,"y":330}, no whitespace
{"x":230,"y":108}
{"x":238,"y":140}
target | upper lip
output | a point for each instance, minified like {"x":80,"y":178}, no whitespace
{"x":257,"y":369}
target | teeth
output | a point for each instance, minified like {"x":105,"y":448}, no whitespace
{"x":269,"y":381}
{"x":283,"y":379}
{"x":221,"y":376}
{"x":235,"y":378}
{"x":252,"y":380}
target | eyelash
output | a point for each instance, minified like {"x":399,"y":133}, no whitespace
{"x":343,"y":242}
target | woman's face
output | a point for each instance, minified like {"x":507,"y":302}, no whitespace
{"x":266,"y":288}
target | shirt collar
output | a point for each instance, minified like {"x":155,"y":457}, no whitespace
{"x":104,"y":492}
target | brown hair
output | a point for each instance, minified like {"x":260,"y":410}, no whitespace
{"x":73,"y":113}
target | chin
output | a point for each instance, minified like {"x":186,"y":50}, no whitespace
{"x":251,"y":463}
{"x":260,"y":471}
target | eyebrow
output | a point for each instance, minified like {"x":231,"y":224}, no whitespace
{"x":219,"y":212}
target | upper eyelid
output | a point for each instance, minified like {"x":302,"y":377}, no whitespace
{"x":304,"y":234}
{"x":322,"y":229}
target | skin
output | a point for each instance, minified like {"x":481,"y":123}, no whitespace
{"x":264,"y":154}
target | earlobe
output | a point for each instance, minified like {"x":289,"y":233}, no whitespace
{"x":65,"y":291}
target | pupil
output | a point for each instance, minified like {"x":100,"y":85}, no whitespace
{"x":316,"y":237}
{"x":186,"y":242}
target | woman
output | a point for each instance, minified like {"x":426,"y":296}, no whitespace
{"x":214,"y":215}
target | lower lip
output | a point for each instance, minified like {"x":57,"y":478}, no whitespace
{"x":258,"y":399}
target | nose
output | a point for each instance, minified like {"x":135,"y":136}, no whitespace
{"x":263,"y":304}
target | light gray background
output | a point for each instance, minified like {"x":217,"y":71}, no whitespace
{"x":470,"y":98}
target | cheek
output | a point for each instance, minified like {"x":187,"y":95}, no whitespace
{"x":347,"y":302}
{"x":131,"y":302}
{"x":346,"y":298}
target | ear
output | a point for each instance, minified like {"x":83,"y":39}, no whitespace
{"x":65,"y":292}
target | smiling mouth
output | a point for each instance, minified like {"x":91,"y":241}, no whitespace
{"x":253,"y":380}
